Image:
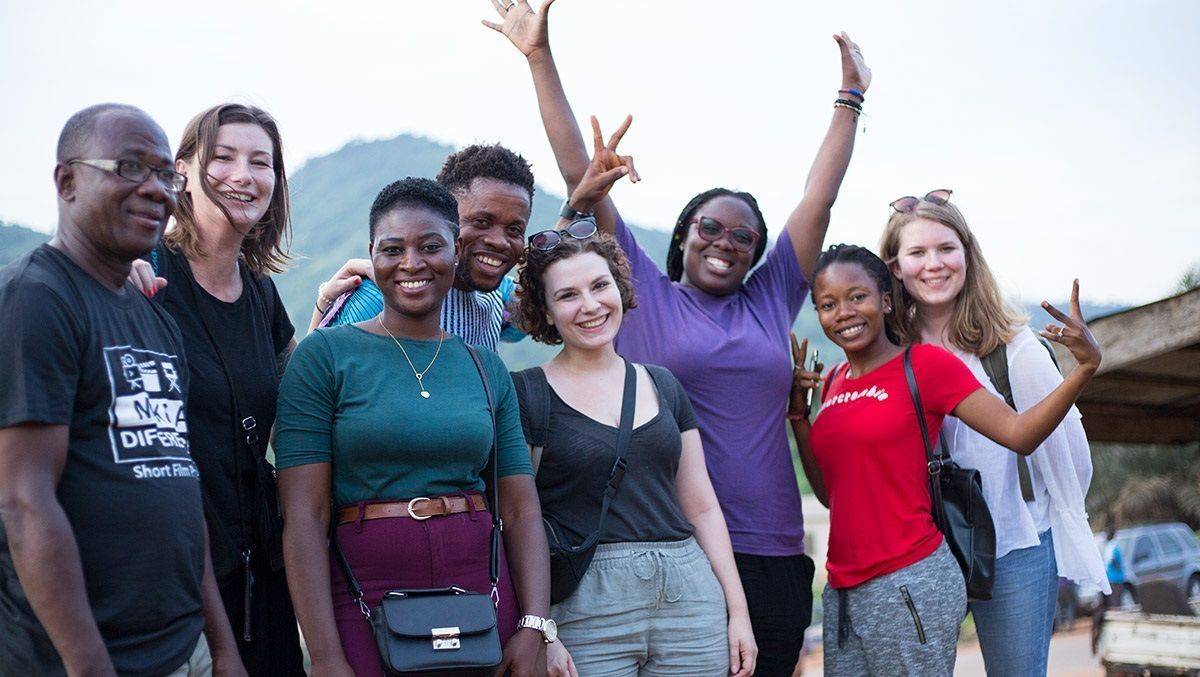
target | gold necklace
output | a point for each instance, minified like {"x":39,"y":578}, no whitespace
{"x":419,"y":374}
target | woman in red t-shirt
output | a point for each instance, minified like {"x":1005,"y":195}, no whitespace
{"x":895,"y":597}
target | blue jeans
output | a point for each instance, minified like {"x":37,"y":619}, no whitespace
{"x":1014,"y":625}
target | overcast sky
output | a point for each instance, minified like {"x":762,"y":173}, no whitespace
{"x":1069,"y":131}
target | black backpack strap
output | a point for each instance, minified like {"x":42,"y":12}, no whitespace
{"x":933,"y":463}
{"x":995,"y":365}
{"x":624,"y":432}
{"x":536,"y":403}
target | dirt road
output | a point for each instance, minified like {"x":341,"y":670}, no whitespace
{"x":1070,"y":656}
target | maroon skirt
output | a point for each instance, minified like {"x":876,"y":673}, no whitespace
{"x":401,"y":553}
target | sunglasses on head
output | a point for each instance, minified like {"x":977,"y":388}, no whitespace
{"x":908,"y":203}
{"x":743,"y":239}
{"x":547,"y":240}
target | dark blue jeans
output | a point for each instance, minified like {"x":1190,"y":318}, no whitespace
{"x":1014,"y":625}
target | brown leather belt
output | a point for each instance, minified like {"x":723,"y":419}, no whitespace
{"x":420,"y":508}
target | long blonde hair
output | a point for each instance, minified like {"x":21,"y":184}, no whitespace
{"x":982,"y":319}
{"x":265,"y":249}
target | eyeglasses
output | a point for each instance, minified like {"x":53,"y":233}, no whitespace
{"x":547,"y":240}
{"x":908,"y":203}
{"x":743,"y":239}
{"x":137,"y":172}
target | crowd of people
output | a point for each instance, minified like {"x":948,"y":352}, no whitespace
{"x":629,"y":507}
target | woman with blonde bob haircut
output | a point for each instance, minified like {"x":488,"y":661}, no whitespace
{"x":211,"y":273}
{"x":949,"y":297}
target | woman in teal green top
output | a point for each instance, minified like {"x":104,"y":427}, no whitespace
{"x":387,"y":419}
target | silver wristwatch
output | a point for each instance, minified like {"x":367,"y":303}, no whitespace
{"x":546,"y":626}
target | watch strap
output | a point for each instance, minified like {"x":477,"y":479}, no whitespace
{"x":570,"y":213}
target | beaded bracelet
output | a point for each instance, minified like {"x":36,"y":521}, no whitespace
{"x":849,"y":104}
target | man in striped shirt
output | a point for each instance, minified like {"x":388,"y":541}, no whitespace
{"x":494,"y":188}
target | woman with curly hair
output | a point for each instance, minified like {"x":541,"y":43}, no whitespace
{"x":662,"y":592}
{"x":722,"y":328}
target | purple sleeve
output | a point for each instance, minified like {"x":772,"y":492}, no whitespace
{"x":646,"y":273}
{"x":779,"y":278}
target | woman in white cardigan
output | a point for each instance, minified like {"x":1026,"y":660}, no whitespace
{"x":950,"y":298}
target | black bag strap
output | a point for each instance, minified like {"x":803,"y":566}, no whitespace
{"x":932,"y":462}
{"x":536,"y":401}
{"x":624,"y":432}
{"x":493,"y":487}
{"x":995,"y":365}
{"x":845,"y":366}
{"x":245,"y":425}
{"x":493,"y":498}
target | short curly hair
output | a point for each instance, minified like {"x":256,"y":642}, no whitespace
{"x":415,"y":192}
{"x":487,"y":162}
{"x":532,"y":308}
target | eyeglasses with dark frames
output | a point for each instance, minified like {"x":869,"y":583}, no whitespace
{"x":138,"y":172}
{"x":741,"y":238}
{"x":908,"y":203}
{"x":579,"y":229}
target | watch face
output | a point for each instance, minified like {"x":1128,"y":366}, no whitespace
{"x":550,"y":630}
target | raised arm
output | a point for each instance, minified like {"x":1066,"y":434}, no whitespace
{"x":1023,"y":432}
{"x":43,"y":546}
{"x":810,"y":219}
{"x":530,"y":33}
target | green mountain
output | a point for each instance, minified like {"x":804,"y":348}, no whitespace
{"x":16,"y":240}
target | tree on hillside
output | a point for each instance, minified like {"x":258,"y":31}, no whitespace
{"x":1189,"y":280}
{"x":1136,"y":484}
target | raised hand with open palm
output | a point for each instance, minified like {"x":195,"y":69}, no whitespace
{"x":528,"y":30}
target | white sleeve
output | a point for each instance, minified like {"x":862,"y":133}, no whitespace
{"x":1032,"y":375}
{"x":1064,"y":461}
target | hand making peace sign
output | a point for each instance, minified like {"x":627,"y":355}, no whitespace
{"x":803,"y":380}
{"x":1074,"y":332}
{"x":605,"y":169}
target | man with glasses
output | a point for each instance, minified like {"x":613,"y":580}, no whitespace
{"x":104,"y":566}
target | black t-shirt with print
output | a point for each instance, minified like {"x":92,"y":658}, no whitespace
{"x":112,"y":367}
{"x":226,"y":342}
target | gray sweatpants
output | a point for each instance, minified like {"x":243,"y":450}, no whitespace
{"x":902,"y":623}
{"x":646,"y":609}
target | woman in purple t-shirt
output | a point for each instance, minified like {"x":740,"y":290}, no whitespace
{"x":722,"y":331}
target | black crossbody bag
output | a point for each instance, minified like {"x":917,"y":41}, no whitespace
{"x":959,"y":510}
{"x":568,"y":563}
{"x":442,"y":630}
